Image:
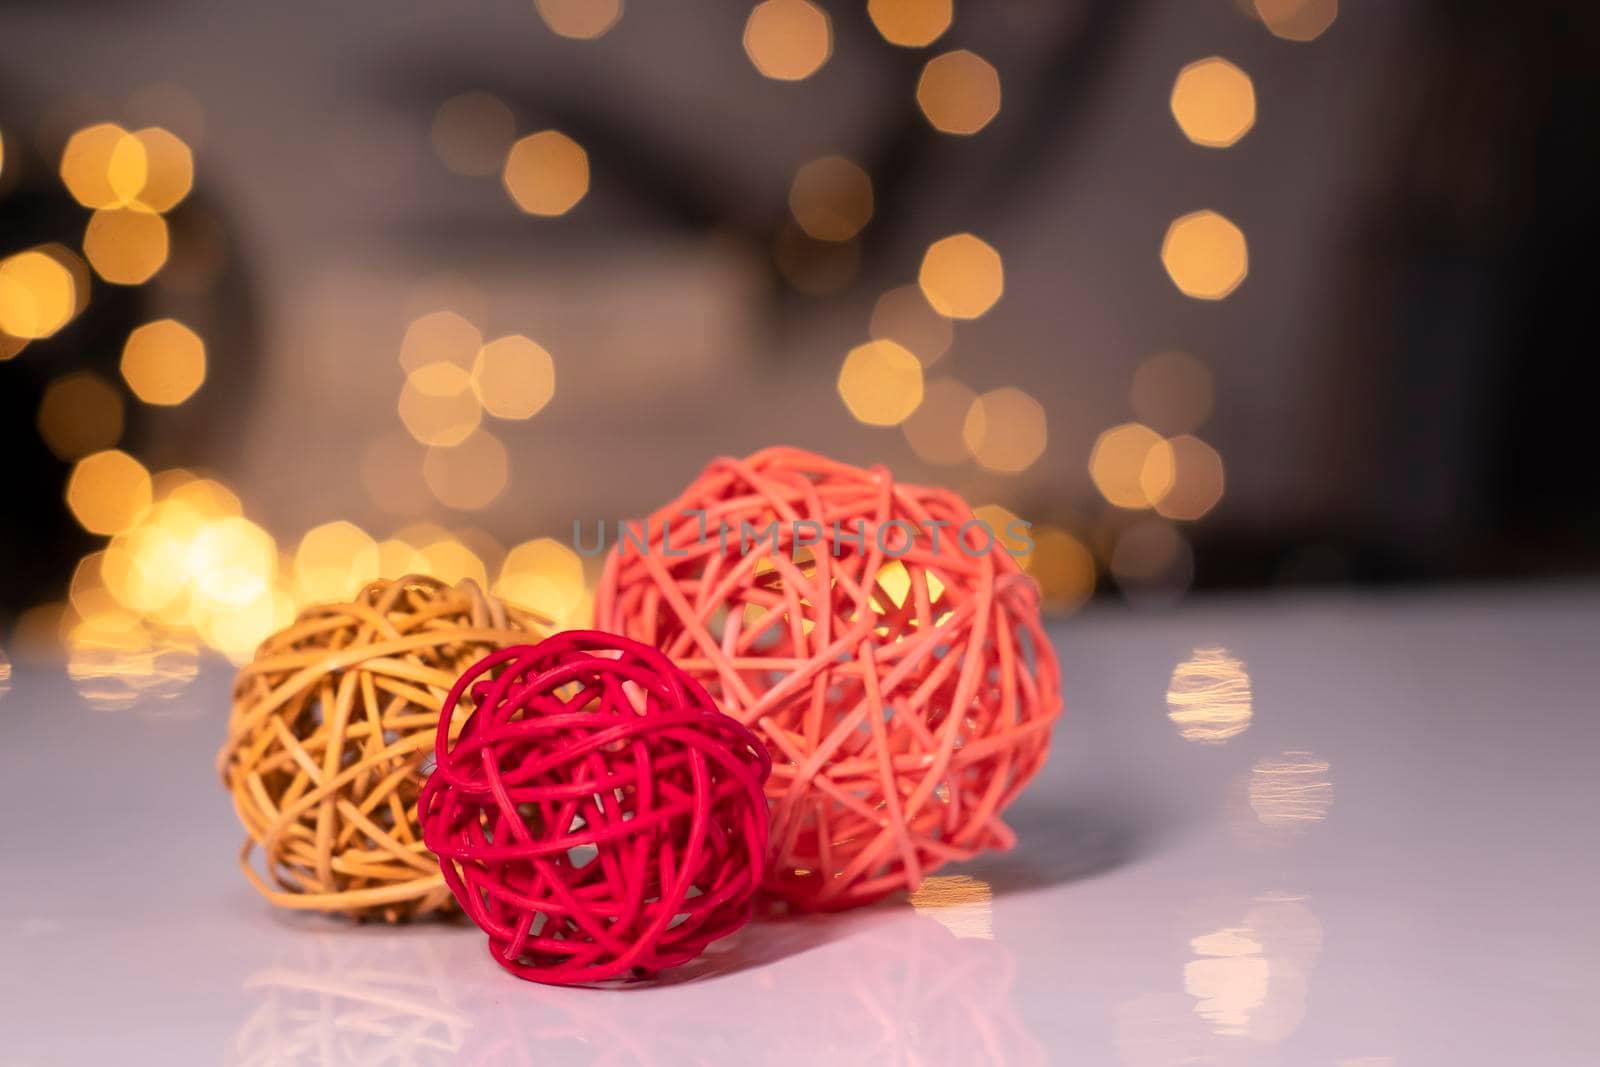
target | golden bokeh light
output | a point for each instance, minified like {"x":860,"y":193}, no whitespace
{"x":438,"y":406}
{"x":911,"y":23}
{"x":440,"y":337}
{"x":1205,"y":255}
{"x":164,"y":362}
{"x":125,"y":246}
{"x":1197,"y":480}
{"x":1126,"y":461}
{"x":543,"y":575}
{"x":116,"y":661}
{"x":1010,"y":533}
{"x":1005,"y":429}
{"x":788,"y":40}
{"x":580,"y":20}
{"x":881,"y":383}
{"x":1172,"y":392}
{"x":831,"y":198}
{"x":1290,"y":792}
{"x":546,"y":173}
{"x":108,"y":492}
{"x":469,"y":475}
{"x":961,"y":276}
{"x":452,"y":562}
{"x":80,"y":413}
{"x":934,"y":429}
{"x":104,"y":166}
{"x":514,"y":377}
{"x":5,"y":661}
{"x":1063,"y":567}
{"x":472,"y":132}
{"x":396,"y":559}
{"x":1214,"y":102}
{"x":959,"y":92}
{"x":1297,"y":20}
{"x":38,"y":295}
{"x":333,"y":562}
{"x":169,"y":169}
{"x":904,"y":316}
{"x":1208,"y":697}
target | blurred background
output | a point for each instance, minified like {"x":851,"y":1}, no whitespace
{"x":1215,"y":293}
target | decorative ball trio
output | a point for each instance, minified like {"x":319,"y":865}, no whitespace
{"x":807,"y":681}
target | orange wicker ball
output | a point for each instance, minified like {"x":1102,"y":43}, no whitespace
{"x":331,"y":724}
{"x":888,"y":652}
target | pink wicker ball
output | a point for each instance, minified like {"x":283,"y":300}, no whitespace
{"x":887,"y":650}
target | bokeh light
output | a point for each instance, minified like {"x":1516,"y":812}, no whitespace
{"x":38,"y":295}
{"x":513,"y":377}
{"x":1213,"y":102}
{"x":1119,"y":460}
{"x":545,"y":576}
{"x":546,"y":173}
{"x":333,"y":562}
{"x":788,"y":40}
{"x":881,"y":383}
{"x":1006,"y":525}
{"x":438,"y":405}
{"x":168,"y":166}
{"x":468,"y":475}
{"x":1205,"y":255}
{"x":472,"y":133}
{"x":904,"y":316}
{"x":103,"y":166}
{"x":961,"y":276}
{"x":580,"y":20}
{"x":959,"y":92}
{"x":164,"y":362}
{"x":1197,"y":480}
{"x":80,"y":413}
{"x":831,"y":198}
{"x":440,"y":337}
{"x":108,"y":492}
{"x":1005,"y":430}
{"x":1064,"y":568}
{"x":911,"y":23}
{"x":125,"y":246}
{"x":934,"y":429}
{"x":1172,"y":392}
{"x":1297,"y":20}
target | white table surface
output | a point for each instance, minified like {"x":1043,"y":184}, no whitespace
{"x":1429,"y":897}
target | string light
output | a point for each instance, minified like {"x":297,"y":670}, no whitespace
{"x":1205,"y":255}
{"x":546,"y":173}
{"x":959,"y":92}
{"x":961,"y":276}
{"x":1213,"y":102}
{"x":788,"y":40}
{"x":164,"y":362}
{"x":911,"y":23}
{"x":881,"y":383}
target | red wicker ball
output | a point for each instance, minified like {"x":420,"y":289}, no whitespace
{"x":596,"y":815}
{"x":879,"y":638}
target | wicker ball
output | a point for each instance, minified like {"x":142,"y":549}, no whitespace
{"x":596,"y":816}
{"x":331,"y":724}
{"x":903,"y":685}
